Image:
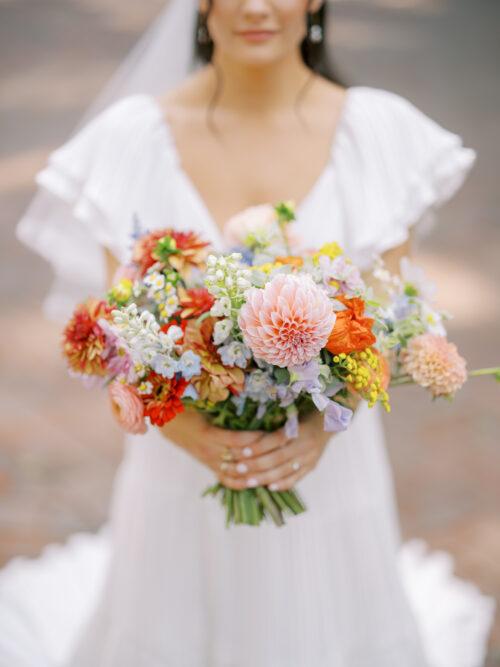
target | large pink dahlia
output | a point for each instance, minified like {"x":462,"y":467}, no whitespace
{"x":434,"y":363}
{"x":288,"y":322}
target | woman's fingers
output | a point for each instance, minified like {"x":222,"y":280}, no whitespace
{"x":266,"y":462}
{"x":239,"y":444}
{"x":243,"y":445}
{"x":267,"y":477}
{"x":290,"y":481}
{"x":267,"y":442}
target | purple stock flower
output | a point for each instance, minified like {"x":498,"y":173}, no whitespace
{"x":337,"y":417}
{"x":116,"y":353}
{"x":320,"y":401}
{"x":292,"y":422}
{"x":305,"y":377}
{"x":341,"y":271}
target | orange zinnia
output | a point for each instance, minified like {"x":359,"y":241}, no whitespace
{"x":352,"y":331}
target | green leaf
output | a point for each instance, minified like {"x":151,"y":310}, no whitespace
{"x":282,"y":375}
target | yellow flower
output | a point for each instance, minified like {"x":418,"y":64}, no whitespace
{"x":268,"y":267}
{"x":122,"y":291}
{"x":331,"y":250}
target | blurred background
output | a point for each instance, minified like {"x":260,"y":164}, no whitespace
{"x":58,"y":445}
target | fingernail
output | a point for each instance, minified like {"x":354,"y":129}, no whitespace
{"x":273,"y":486}
{"x":247,"y":451}
{"x":252,"y":482}
{"x":242,"y":467}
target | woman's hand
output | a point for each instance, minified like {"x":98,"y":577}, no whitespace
{"x":278,"y":462}
{"x":210,"y":444}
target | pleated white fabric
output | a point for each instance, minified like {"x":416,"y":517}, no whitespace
{"x":174,"y":587}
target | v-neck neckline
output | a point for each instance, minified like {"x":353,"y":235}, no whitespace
{"x":196,"y":194}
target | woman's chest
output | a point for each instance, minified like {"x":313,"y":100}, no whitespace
{"x":251,"y":161}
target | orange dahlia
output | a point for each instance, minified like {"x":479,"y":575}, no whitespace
{"x":84,"y":340}
{"x":352,"y":331}
{"x":215,"y":382}
{"x":163,"y":403}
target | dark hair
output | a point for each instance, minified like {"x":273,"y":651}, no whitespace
{"x":314,"y":54}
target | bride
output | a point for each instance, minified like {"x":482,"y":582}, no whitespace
{"x":257,"y":117}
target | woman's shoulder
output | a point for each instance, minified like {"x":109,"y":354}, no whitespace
{"x":396,"y":120}
{"x":410,"y":165}
{"x":106,"y":150}
{"x":119,"y":124}
{"x":388,"y":129}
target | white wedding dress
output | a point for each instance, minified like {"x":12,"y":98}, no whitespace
{"x":165,"y":583}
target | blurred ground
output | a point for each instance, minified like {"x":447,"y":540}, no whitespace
{"x":59,"y":447}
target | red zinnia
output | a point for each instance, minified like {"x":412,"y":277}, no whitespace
{"x":142,"y":253}
{"x":164,"y":401}
{"x":194,"y":302}
{"x":191,"y":250}
{"x":84,"y":340}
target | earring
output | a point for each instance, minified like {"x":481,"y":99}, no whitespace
{"x":202,"y":34}
{"x":315,"y":33}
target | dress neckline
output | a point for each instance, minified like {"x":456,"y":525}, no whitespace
{"x":194,"y":191}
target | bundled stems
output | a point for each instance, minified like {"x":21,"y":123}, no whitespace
{"x":251,"y":506}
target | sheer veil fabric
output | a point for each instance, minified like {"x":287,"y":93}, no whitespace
{"x":164,"y":583}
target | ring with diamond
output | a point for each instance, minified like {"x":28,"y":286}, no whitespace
{"x":224,"y":466}
{"x":296,"y":466}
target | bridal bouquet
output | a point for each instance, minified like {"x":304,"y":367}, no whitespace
{"x":256,"y":338}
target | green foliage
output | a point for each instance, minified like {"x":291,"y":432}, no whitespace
{"x":285,"y":211}
{"x":410,"y":290}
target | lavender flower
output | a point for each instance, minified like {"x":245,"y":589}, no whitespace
{"x":337,"y":417}
{"x":292,"y":422}
{"x":306,"y":377}
{"x":341,"y":271}
{"x":235,"y":354}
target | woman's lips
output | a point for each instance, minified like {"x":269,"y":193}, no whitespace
{"x":256,"y":35}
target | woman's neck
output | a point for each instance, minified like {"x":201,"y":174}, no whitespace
{"x":256,"y":88}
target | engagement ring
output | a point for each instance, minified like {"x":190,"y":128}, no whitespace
{"x":295,"y":465}
{"x":227,"y":455}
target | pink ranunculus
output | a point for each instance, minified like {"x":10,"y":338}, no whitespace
{"x":434,"y":363}
{"x":288,"y":322}
{"x":128,"y":408}
{"x":252,"y":220}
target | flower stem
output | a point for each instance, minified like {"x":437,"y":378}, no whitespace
{"x":401,"y":379}
{"x":485,"y":371}
{"x":270,"y":506}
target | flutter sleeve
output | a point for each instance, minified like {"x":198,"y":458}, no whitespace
{"x":410,"y":167}
{"x":71,"y":220}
